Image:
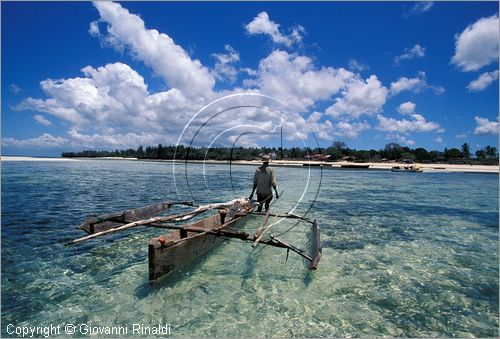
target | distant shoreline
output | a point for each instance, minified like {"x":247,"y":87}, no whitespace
{"x":383,"y":166}
{"x":25,"y":158}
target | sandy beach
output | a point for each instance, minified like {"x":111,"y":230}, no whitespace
{"x":23,"y":158}
{"x":297,"y":163}
{"x":384,"y":166}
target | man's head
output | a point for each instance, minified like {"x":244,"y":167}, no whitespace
{"x":265,"y":159}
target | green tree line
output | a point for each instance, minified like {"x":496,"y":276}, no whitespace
{"x":337,"y":151}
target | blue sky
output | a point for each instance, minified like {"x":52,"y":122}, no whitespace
{"x":79,"y":75}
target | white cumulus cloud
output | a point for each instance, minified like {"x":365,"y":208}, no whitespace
{"x":350,"y":130}
{"x":224,"y":68}
{"x":407,"y":84}
{"x":110,"y":94}
{"x":262,"y":24}
{"x":360,"y":97}
{"x":485,"y":126}
{"x":416,"y":124}
{"x":155,"y":49}
{"x":295,"y":80}
{"x":477,"y":45}
{"x":416,"y":85}
{"x":43,"y":141}
{"x":483,"y":81}
{"x":407,"y":108}
{"x":113,"y":97}
{"x":111,"y":141}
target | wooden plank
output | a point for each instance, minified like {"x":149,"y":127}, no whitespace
{"x":264,"y":221}
{"x":316,"y":249}
{"x":261,"y":235}
{"x":292,"y":248}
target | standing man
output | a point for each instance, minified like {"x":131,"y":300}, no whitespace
{"x":263,"y":180}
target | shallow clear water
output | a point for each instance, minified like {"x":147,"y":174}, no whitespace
{"x":404,"y":254}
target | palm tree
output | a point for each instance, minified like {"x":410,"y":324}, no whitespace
{"x":490,"y":152}
{"x":466,"y":151}
{"x":480,"y":154}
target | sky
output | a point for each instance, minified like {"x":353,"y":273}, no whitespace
{"x":116,"y":75}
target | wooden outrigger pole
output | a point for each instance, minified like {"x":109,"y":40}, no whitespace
{"x":316,"y":246}
{"x":134,"y":224}
{"x":261,"y":231}
{"x":286,"y":215}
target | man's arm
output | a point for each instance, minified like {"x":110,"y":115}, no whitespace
{"x":274,"y":184}
{"x":254,"y":185}
{"x":251,"y":194}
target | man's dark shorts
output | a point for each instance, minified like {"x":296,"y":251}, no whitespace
{"x":261,"y":198}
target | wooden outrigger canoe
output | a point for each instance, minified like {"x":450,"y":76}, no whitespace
{"x":187,"y":243}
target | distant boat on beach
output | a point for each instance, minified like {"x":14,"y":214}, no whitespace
{"x":312,"y":164}
{"x":410,"y":168}
{"x":357,"y":166}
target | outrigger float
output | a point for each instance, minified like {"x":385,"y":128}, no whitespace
{"x":187,"y":243}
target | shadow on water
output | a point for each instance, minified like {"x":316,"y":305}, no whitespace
{"x":148,"y":288}
{"x":249,"y":267}
{"x":249,"y":273}
{"x":308,"y":278}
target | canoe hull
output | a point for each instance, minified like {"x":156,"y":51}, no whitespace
{"x":171,"y":252}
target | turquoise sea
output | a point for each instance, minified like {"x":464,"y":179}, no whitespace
{"x":404,"y":254}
